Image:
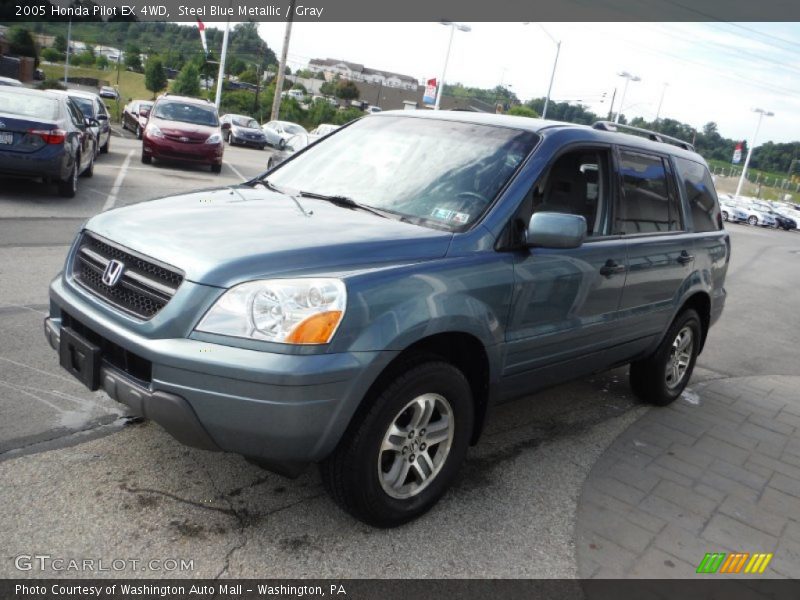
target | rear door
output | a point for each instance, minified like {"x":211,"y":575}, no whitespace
{"x":660,"y":251}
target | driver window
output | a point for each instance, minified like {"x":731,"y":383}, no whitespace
{"x":577,"y":183}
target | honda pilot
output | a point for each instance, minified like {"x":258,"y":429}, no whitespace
{"x":363,"y":304}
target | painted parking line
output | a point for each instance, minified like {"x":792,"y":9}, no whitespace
{"x":238,"y":174}
{"x":112,"y":196}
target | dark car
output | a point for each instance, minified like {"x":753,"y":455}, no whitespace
{"x":93,"y":107}
{"x":109,"y":92}
{"x":44,"y":134}
{"x":366,"y":303}
{"x":134,"y":116}
{"x":239,"y":129}
{"x":782,"y":221}
{"x":183,"y":129}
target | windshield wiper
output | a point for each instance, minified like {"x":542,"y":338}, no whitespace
{"x":271,"y":186}
{"x":346,"y":202}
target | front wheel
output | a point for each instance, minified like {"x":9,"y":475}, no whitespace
{"x":146,"y":159}
{"x":216,"y":168}
{"x":724,"y":215}
{"x":662,"y":377}
{"x":399,"y":456}
{"x":753,"y":220}
{"x":138,"y":132}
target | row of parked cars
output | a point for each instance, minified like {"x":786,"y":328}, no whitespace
{"x":189,"y":129}
{"x":55,"y":135}
{"x":757,"y":212}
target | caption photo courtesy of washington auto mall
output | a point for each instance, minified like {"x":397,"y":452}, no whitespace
{"x":317,"y":299}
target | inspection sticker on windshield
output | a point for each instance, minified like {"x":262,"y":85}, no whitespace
{"x":450,"y":215}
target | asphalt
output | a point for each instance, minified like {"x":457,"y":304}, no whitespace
{"x":85,"y":481}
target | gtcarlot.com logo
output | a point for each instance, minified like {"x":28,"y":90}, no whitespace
{"x":734,"y":563}
{"x":46,"y":562}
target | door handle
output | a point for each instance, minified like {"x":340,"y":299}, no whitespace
{"x":611,"y":267}
{"x":685,"y":258}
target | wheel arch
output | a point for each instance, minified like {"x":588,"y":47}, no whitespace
{"x":700,"y":302}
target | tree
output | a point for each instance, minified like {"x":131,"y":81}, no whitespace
{"x":346,"y":90}
{"x":21,"y":43}
{"x":101,"y":61}
{"x":248,"y":76}
{"x":52,"y":55}
{"x":523,"y":111}
{"x":133,"y":59}
{"x":188,"y":81}
{"x":155,"y":77}
{"x":328,"y":88}
{"x":60,"y":43}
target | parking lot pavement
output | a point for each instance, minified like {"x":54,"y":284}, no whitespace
{"x":123,"y":489}
{"x":718,"y":471}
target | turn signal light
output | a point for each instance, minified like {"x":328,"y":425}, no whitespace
{"x":316,"y":329}
{"x":50,"y":136}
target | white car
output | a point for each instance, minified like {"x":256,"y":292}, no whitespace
{"x":323,"y":129}
{"x":756,"y":216}
{"x":731,"y":212}
{"x":278,"y":132}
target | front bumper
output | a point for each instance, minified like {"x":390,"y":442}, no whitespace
{"x":194,"y":153}
{"x":279,"y":408}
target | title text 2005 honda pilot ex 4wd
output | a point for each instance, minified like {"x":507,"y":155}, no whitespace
{"x":362,"y":304}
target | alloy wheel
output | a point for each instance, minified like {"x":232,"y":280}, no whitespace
{"x":680,"y":357}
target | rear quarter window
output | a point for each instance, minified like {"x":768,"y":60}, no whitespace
{"x":701,"y":195}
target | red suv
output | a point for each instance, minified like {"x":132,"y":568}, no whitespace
{"x":183,"y":129}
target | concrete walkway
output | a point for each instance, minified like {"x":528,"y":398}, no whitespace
{"x":717,"y":471}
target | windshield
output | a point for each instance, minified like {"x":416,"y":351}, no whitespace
{"x":187,"y":113}
{"x":28,"y":105}
{"x":245,"y":122}
{"x":442,"y":174}
{"x":292,"y":128}
{"x":86,"y":105}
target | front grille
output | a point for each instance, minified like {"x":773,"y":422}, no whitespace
{"x":112,"y":354}
{"x":145,"y":286}
{"x":183,"y":139}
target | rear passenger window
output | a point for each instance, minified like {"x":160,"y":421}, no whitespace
{"x":647,"y":204}
{"x":700,"y":195}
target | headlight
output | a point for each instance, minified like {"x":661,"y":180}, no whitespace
{"x":288,"y":311}
{"x":154,"y":131}
{"x":214,"y":138}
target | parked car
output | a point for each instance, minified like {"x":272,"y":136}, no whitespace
{"x":44,"y":134}
{"x":364,"y":304}
{"x":10,"y":81}
{"x":298,"y":95}
{"x":278,"y":132}
{"x":183,"y":129}
{"x":93,"y":107}
{"x":134,"y":116}
{"x":372,"y":109}
{"x":294,"y":144}
{"x":756,"y":216}
{"x":109,"y":92}
{"x":239,"y":129}
{"x":781,"y":221}
{"x":731,"y":212}
{"x":790,"y":215}
{"x":323,"y":129}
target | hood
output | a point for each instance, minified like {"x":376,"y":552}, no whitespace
{"x":225,"y":236}
{"x":179,"y":129}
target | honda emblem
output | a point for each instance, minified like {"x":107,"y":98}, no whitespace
{"x":113,"y":272}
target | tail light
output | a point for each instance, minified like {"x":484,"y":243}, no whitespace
{"x":50,"y":136}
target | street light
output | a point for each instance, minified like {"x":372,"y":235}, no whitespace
{"x":453,"y":27}
{"x":761,"y":114}
{"x":628,"y":78}
{"x":555,"y":64}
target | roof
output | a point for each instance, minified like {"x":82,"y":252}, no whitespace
{"x":28,"y":91}
{"x":542,"y":127}
{"x":80,"y":93}
{"x":187,"y":99}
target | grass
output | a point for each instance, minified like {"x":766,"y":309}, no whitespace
{"x":131,"y":85}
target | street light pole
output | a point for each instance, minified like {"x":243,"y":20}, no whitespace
{"x":69,"y":43}
{"x":628,"y":78}
{"x":453,"y":27}
{"x":555,"y":64}
{"x":661,"y":101}
{"x":761,"y":114}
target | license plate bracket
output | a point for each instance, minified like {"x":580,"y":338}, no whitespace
{"x":80,"y":357}
{"x":6,"y":137}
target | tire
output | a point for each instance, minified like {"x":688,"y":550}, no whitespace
{"x":653,"y":379}
{"x":216,"y":168}
{"x":281,"y":144}
{"x":752,"y":220}
{"x":138,"y":132}
{"x":68,"y":187}
{"x":89,"y":171}
{"x":724,"y":215}
{"x":106,"y":147}
{"x":146,"y":159}
{"x":354,"y":473}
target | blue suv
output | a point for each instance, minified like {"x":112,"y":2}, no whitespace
{"x":365,"y":302}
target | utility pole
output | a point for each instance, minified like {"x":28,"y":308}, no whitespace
{"x":221,"y":74}
{"x":611,"y":108}
{"x":276,"y":100}
{"x":69,"y":43}
{"x":661,"y":101}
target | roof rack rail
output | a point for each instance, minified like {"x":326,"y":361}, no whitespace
{"x":652,"y":135}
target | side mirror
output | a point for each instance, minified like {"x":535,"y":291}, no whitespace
{"x":556,"y":230}
{"x":102,"y":117}
{"x":89,"y":122}
{"x":145,"y":112}
{"x":226,"y":126}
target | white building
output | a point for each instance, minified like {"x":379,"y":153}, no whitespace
{"x":332,"y":68}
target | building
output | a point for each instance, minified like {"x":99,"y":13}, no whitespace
{"x":333,"y":68}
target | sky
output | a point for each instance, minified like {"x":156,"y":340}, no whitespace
{"x":706,"y":71}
